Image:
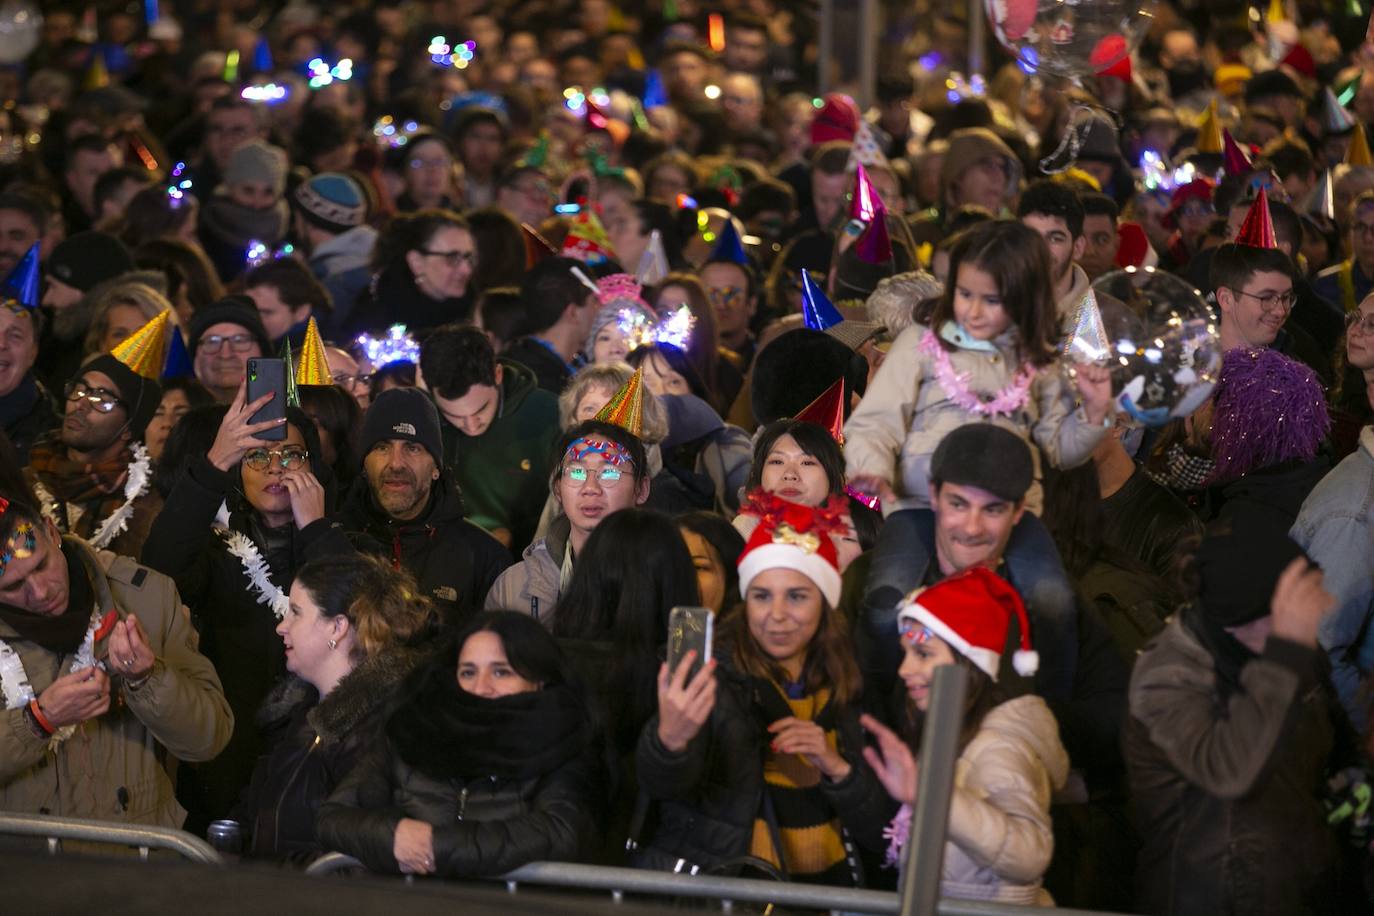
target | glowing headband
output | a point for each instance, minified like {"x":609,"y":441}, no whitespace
{"x":613,"y":452}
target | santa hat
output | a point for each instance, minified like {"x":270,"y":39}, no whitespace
{"x":971,"y":611}
{"x":1134,"y":249}
{"x":837,"y":119}
{"x":792,"y":536}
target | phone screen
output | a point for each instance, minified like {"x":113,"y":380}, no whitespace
{"x":690,"y":628}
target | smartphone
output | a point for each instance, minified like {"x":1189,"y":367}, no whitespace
{"x":266,"y":375}
{"x":690,"y":628}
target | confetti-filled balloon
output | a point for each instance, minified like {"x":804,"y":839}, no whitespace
{"x":21,"y":27}
{"x":1069,"y":38}
{"x":1165,"y":352}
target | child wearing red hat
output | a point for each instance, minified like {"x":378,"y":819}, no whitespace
{"x":1011,"y":760}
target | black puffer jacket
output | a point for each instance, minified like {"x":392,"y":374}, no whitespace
{"x":455,"y":562}
{"x":503,"y":782}
{"x":706,"y":799}
{"x":315,"y":743}
{"x":393,"y":298}
{"x":237,"y":632}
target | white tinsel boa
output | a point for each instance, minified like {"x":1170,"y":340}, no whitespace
{"x":256,"y":569}
{"x":135,"y":486}
{"x":14,"y":680}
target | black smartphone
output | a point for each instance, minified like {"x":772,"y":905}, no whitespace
{"x":690,"y":628}
{"x":266,"y":375}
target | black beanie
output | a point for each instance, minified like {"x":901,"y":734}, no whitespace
{"x":141,"y":395}
{"x":987,"y":457}
{"x":1239,"y":563}
{"x":89,"y":258}
{"x":238,"y":310}
{"x":403,"y":413}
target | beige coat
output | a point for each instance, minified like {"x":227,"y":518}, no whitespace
{"x":117,"y":767}
{"x":906,"y":412}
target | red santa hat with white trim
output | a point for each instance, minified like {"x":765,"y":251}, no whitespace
{"x":971,"y":611}
{"x":792,"y":536}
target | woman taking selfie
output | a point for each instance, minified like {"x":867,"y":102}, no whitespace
{"x":487,"y":764}
{"x":757,"y":754}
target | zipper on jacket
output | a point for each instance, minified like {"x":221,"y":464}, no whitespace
{"x":281,"y":796}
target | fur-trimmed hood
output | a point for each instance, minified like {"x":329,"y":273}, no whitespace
{"x":364,"y":690}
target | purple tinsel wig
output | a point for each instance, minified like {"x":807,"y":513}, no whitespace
{"x":1269,"y":409}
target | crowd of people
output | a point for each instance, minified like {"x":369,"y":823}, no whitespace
{"x":593,"y":311}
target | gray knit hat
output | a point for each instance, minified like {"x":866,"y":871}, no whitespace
{"x":258,"y":161}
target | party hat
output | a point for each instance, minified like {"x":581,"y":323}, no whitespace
{"x":178,"y":363}
{"x":827,"y":411}
{"x":1321,"y":200}
{"x":1258,"y":229}
{"x":1236,"y":160}
{"x":146,"y":348}
{"x":97,"y":74}
{"x":313,"y":367}
{"x":293,"y":396}
{"x":863,"y":202}
{"x":1335,"y":119}
{"x":729,"y":247}
{"x":23,"y":281}
{"x":1088,"y":343}
{"x":1209,"y":131}
{"x":626,"y":408}
{"x":262,"y":56}
{"x":1357,"y":153}
{"x":864,"y":150}
{"x":654,"y":95}
{"x":1276,"y":13}
{"x":875,"y":245}
{"x":1111,"y":57}
{"x":817,"y":311}
{"x":653,"y":263}
{"x":587,"y":240}
{"x":537,"y":248}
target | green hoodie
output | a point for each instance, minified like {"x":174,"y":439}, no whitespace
{"x":503,"y":474}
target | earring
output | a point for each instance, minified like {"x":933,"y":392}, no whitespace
{"x":333,"y":644}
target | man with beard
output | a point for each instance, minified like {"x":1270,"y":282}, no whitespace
{"x":75,"y":268}
{"x":92,"y":475}
{"x":26,"y":408}
{"x":406,"y":507}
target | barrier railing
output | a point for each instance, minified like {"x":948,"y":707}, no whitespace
{"x":144,"y":839}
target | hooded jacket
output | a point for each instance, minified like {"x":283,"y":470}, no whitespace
{"x":455,"y":562}
{"x":503,"y":474}
{"x":706,"y":455}
{"x":534,"y":584}
{"x":318,"y":742}
{"x":114,"y":768}
{"x":343,"y":265}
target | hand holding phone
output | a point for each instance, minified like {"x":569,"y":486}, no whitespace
{"x":238,"y":433}
{"x":268,"y":376}
{"x":690,"y":628}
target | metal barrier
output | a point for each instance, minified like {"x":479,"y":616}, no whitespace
{"x":144,"y":839}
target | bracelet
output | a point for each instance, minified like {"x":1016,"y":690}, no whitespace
{"x":39,"y":718}
{"x":132,"y":686}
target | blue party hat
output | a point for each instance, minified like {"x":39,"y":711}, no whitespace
{"x":22,"y":283}
{"x":178,"y":362}
{"x":654,"y":96}
{"x":817,"y":310}
{"x":262,"y":56}
{"x":729,"y":247}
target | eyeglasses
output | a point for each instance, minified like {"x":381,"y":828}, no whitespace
{"x":239,"y":343}
{"x":607,"y":477}
{"x":289,"y":458}
{"x":1271,"y":301}
{"x":453,"y":258}
{"x":100,"y":399}
{"x":1365,"y":323}
{"x":345,"y":380}
{"x":725,"y":295}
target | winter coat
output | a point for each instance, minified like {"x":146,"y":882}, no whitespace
{"x":1226,"y":779}
{"x":116,"y":766}
{"x":1276,"y":492}
{"x":227,"y":229}
{"x":393,"y":298}
{"x":906,"y":411}
{"x":706,"y":454}
{"x":1147,"y":521}
{"x":238,"y":632}
{"x":1000,"y":840}
{"x":1335,"y":528}
{"x":550,"y":370}
{"x":706,"y":798}
{"x":26,"y":414}
{"x":317,"y":744}
{"x":503,"y":474}
{"x":534,"y":584}
{"x":342,"y":264}
{"x":455,"y":562}
{"x":529,"y":790}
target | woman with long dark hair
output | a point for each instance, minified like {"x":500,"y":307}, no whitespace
{"x":487,"y":763}
{"x":424,"y":263}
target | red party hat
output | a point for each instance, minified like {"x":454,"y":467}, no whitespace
{"x":827,"y":411}
{"x":1237,"y":162}
{"x":1258,"y":229}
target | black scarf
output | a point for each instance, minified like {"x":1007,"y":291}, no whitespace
{"x":445,"y":732}
{"x":63,"y":633}
{"x":18,"y":403}
{"x":1228,"y":653}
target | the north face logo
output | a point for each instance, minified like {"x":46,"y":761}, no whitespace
{"x":405,"y":429}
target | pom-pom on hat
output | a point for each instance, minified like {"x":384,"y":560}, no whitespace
{"x":971,"y":611}
{"x":792,"y":536}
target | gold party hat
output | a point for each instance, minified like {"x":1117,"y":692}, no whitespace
{"x":313,"y":367}
{"x":626,"y":408}
{"x":1276,"y":13}
{"x":1209,"y":131}
{"x":145,"y":351}
{"x":1357,"y":153}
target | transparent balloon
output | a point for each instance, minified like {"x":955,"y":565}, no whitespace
{"x":1070,"y":39}
{"x":1162,"y":344}
{"x":21,"y":27}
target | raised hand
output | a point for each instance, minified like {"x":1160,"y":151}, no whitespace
{"x":1095,"y":387}
{"x":307,"y":496}
{"x":129,"y":650}
{"x":684,"y":707}
{"x":1300,"y":602}
{"x":891,"y":760}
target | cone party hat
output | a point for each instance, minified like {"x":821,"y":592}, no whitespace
{"x":587,"y":240}
{"x":653,"y":266}
{"x":145,"y":350}
{"x":313,"y":367}
{"x":178,"y":364}
{"x":1335,"y":119}
{"x":729,"y":247}
{"x":537,"y":248}
{"x":827,"y":411}
{"x":626,"y":408}
{"x":1258,"y":229}
{"x":1209,"y":131}
{"x":817,"y":311}
{"x":863,"y":204}
{"x":875,"y":245}
{"x":293,"y":395}
{"x":23,"y":281}
{"x":1321,"y":201}
{"x":1357,"y":153}
{"x":1236,"y":160}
